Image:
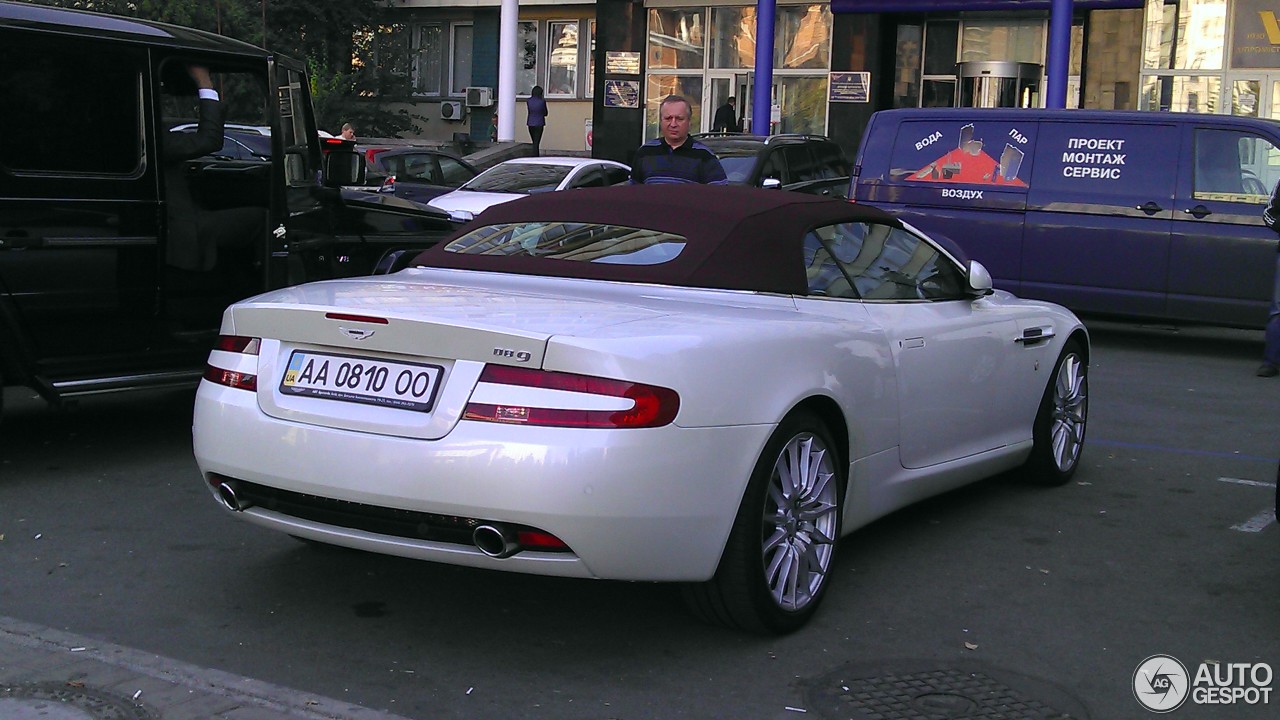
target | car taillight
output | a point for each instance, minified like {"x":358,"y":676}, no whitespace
{"x":234,"y":378}
{"x":238,"y":344}
{"x":569,"y":402}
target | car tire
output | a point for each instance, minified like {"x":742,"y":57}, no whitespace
{"x":778,"y":561}
{"x":1058,"y":433}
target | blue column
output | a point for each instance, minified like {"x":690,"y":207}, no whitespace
{"x":1059,"y":60}
{"x":761,"y":101}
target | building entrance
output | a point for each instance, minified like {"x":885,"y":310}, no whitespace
{"x":990,"y":84}
{"x":1255,"y":94}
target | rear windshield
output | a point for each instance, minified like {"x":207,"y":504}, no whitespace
{"x":519,"y":178}
{"x":580,"y":242}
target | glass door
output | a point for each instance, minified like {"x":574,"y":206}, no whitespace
{"x":721,"y":86}
{"x":1254,"y":95}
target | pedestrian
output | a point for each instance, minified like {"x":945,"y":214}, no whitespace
{"x":726,"y":118}
{"x":1270,"y":366}
{"x":674,"y":157}
{"x":348,"y":132}
{"x":537,"y":118}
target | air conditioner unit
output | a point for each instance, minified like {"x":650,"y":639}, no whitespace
{"x":451,"y":110}
{"x":479,"y":96}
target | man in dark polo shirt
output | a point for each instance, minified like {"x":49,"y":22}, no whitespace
{"x":675,"y":157}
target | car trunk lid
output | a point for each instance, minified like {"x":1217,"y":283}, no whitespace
{"x":400,"y":358}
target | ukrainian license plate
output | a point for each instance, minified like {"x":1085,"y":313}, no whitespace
{"x":407,"y":386}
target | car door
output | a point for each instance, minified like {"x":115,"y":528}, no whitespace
{"x":1099,"y":212}
{"x":965,"y":383}
{"x":1221,"y":256}
{"x":454,"y":172}
{"x":79,"y":207}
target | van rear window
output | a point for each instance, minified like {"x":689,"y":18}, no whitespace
{"x":69,"y":112}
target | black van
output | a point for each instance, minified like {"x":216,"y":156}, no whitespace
{"x":1133,"y":214}
{"x":91,"y":296}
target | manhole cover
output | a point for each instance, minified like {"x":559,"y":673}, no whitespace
{"x":914,"y":691}
{"x":56,"y":701}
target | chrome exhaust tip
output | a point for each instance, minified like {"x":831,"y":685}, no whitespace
{"x":227,"y":494}
{"x":495,"y":541}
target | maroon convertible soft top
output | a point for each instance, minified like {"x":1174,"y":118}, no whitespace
{"x":739,"y":238}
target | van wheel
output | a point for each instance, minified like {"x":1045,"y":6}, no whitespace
{"x":777,"y":562}
{"x":1058,"y":434}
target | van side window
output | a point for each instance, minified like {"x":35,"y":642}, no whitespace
{"x":878,"y":262}
{"x":89,"y":123}
{"x":1234,"y":166}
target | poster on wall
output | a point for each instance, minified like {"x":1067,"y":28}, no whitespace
{"x":852,"y":87}
{"x":622,"y":93}
{"x":622,"y":63}
{"x":1255,"y":38}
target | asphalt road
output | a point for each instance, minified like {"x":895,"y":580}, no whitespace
{"x":1162,"y":544}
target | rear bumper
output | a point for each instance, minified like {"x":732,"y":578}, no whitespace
{"x":650,"y":504}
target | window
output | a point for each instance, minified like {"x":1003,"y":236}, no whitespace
{"x":527,"y":67}
{"x":906,"y":83}
{"x":428,"y":59}
{"x":1234,"y":166}
{"x":523,"y":178}
{"x":675,"y":39}
{"x":452,"y":172}
{"x":660,"y":86}
{"x":938,"y":83}
{"x":381,"y":57}
{"x":733,"y":42}
{"x":591,"y":62}
{"x":803,"y":99}
{"x":562,"y":63}
{"x":73,"y":106}
{"x":1011,"y":39}
{"x":802,"y":37}
{"x":460,"y":72}
{"x":878,"y":262}
{"x":579,"y":242}
{"x":1185,"y":35}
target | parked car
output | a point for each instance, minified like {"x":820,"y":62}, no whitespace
{"x":801,"y":163}
{"x":1130,"y":214}
{"x":512,"y":179}
{"x":416,"y":173}
{"x":238,"y":144}
{"x":118,"y":258}
{"x":698,"y":384}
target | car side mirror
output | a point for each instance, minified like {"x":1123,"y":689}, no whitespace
{"x":980,"y":284}
{"x":343,"y":167}
{"x":771,"y":183}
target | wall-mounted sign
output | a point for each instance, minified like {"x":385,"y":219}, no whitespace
{"x":622,"y":93}
{"x":1255,"y":37}
{"x":849,"y":87}
{"x":622,"y":63}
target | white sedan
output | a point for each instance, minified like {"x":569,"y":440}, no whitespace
{"x":516,"y":178}
{"x":694,"y":384}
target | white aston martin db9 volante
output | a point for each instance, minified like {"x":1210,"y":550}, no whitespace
{"x":700,"y":385}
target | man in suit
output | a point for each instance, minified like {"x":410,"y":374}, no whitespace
{"x":726,"y":118}
{"x":186,"y":250}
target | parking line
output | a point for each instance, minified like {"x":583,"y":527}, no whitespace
{"x":1257,"y":523}
{"x":1240,"y":481}
{"x":1260,"y":521}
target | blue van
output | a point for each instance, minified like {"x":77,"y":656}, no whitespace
{"x":1131,"y":214}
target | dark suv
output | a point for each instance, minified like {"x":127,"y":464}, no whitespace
{"x":804,"y":163}
{"x":121,"y":242}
